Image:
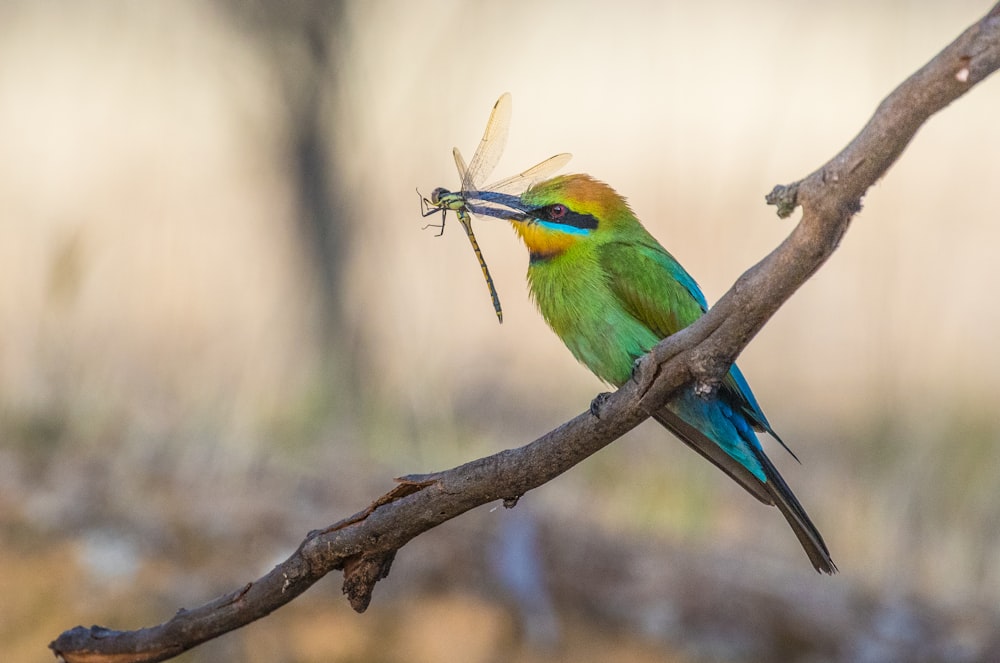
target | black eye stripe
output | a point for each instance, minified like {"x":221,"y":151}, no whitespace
{"x":565,"y":216}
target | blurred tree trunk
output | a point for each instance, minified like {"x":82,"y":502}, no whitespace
{"x":300,"y":39}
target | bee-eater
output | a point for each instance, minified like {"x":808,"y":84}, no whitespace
{"x":610,"y":291}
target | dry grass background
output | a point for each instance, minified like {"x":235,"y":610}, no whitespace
{"x":167,"y":390}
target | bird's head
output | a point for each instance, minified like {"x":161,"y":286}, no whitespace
{"x":565,"y":211}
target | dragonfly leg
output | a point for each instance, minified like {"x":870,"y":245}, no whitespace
{"x":444,"y":213}
{"x":427,"y":208}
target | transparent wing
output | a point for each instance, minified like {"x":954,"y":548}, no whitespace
{"x":490,"y":147}
{"x":501,"y":199}
{"x":460,"y":165}
{"x":518,"y":183}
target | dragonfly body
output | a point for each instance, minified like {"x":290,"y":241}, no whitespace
{"x":492,"y":200}
{"x":447,"y":200}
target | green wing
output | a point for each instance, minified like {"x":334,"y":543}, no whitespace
{"x":652,"y":286}
{"x":657,"y":291}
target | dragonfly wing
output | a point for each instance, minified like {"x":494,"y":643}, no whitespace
{"x":518,"y":183}
{"x":460,"y":165}
{"x":501,"y":199}
{"x":490,"y":147}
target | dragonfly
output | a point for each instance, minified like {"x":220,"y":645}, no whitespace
{"x":497,"y":199}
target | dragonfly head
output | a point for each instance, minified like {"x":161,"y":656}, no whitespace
{"x":437,"y":194}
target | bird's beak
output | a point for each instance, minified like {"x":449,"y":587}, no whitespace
{"x":497,"y":205}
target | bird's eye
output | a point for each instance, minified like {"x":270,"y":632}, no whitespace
{"x":557,"y":211}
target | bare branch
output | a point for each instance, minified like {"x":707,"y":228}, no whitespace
{"x":364,"y":545}
{"x":829,"y":198}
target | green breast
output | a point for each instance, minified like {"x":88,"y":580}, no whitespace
{"x":575,"y":298}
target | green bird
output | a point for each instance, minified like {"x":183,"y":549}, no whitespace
{"x":610,"y":291}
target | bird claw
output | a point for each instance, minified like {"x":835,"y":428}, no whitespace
{"x":598,"y":403}
{"x":705,"y":389}
{"x":635,"y":368}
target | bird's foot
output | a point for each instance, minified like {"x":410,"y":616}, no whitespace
{"x":598,"y":403}
{"x":635,"y":368}
{"x":705,"y":389}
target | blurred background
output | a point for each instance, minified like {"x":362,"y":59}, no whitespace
{"x":222,"y":325}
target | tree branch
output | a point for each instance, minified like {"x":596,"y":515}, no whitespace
{"x":829,"y":198}
{"x":364,"y":545}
